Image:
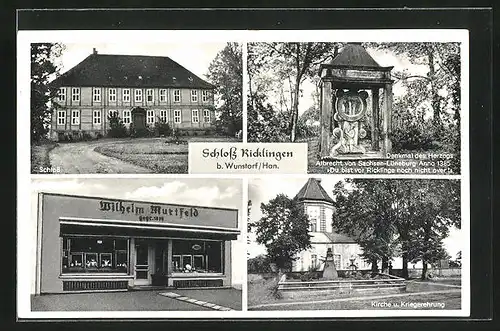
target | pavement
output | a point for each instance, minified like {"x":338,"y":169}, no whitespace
{"x":80,"y":158}
{"x":137,"y":301}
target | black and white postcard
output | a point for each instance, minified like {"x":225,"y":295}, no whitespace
{"x":212,"y":174}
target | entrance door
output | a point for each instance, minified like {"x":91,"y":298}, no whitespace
{"x":142,"y":267}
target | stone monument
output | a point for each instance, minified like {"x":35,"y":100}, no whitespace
{"x":351,"y":82}
{"x":329,"y":271}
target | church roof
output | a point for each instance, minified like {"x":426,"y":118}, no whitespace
{"x":108,"y":70}
{"x":354,"y":55}
{"x":313,"y":190}
{"x":330,"y":238}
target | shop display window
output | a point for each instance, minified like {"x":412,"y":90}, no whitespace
{"x":197,"y":256}
{"x":94,"y":255}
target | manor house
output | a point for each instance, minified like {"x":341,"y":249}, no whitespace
{"x":140,"y":90}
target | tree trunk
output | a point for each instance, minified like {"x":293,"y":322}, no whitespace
{"x":434,"y":90}
{"x":374,"y":262}
{"x":250,"y":92}
{"x":404,"y":272}
{"x":424,"y":270}
{"x":295,"y":112}
{"x":385,"y":264}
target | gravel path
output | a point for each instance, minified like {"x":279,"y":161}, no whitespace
{"x":80,"y":158}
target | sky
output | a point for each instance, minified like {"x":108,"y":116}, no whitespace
{"x":383,"y":58}
{"x":263,"y":190}
{"x":224,"y":193}
{"x":196,"y":57}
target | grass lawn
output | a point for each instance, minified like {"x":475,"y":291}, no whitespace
{"x":40,"y":155}
{"x":155,"y":153}
{"x":259,"y":293}
{"x":439,"y":162}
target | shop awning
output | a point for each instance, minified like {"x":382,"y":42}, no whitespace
{"x":83,"y":226}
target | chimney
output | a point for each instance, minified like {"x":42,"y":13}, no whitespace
{"x":94,"y":51}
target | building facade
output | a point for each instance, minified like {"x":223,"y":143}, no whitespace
{"x":318,"y":206}
{"x":140,"y":90}
{"x":100,"y":244}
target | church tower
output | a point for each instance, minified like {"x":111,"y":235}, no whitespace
{"x":318,"y":205}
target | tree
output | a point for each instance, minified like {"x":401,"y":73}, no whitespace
{"x":283,"y":230}
{"x":441,"y":70}
{"x":264,"y":123}
{"x":43,"y":70}
{"x":439,"y":209}
{"x":362,"y":212}
{"x":290,"y":64}
{"x":226,"y":73}
{"x":407,"y":216}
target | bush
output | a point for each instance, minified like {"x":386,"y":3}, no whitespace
{"x":413,"y":137}
{"x":116,"y":127}
{"x":162,"y":129}
{"x":86,"y":136}
{"x":259,"y":264}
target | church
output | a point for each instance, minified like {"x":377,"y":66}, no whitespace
{"x":318,"y":205}
{"x":140,"y":90}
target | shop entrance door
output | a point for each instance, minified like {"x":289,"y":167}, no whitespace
{"x":142,"y":264}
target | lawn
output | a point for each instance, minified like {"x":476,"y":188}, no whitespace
{"x":259,"y":293}
{"x":436,"y":163}
{"x":157,"y":154}
{"x":40,"y":155}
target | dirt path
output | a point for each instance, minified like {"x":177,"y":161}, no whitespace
{"x":80,"y":158}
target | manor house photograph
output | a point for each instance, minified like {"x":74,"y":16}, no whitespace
{"x":131,"y":108}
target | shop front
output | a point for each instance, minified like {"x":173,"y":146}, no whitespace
{"x":99,"y":244}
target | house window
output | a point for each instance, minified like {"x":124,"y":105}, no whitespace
{"x":62,"y":94}
{"x":94,"y":255}
{"x":337,"y":261}
{"x":96,"y":117}
{"x":126,"y":95}
{"x":138,"y":95}
{"x":61,"y":117}
{"x":194,"y":96}
{"x":112,"y":95}
{"x":75,"y":94}
{"x":177,"y":116}
{"x":206,"y":115}
{"x":150,"y":116}
{"x":163,"y":116}
{"x":177,"y":95}
{"x":314,"y":261}
{"x":96,"y":93}
{"x":163,"y":95}
{"x":205,"y":96}
{"x":149,"y":95}
{"x":113,"y":113}
{"x":313,"y":225}
{"x":127,"y":116}
{"x":195,"y":118}
{"x":75,"y":117}
{"x":197,"y":255}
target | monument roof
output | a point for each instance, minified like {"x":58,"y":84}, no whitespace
{"x":354,"y":55}
{"x":313,"y":190}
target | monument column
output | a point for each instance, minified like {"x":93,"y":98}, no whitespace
{"x":375,"y":119}
{"x":387,"y":119}
{"x":326,"y":114}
